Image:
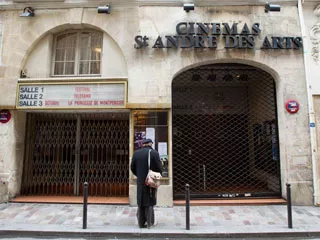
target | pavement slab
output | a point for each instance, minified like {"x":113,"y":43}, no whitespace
{"x":35,"y":219}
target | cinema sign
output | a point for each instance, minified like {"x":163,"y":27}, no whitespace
{"x":208,"y":35}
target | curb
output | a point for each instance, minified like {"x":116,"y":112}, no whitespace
{"x":153,"y":234}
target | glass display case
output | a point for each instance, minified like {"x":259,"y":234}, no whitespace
{"x":154,"y":125}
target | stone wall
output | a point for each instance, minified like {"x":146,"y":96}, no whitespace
{"x":150,"y":71}
{"x":311,"y":14}
{"x":12,"y":140}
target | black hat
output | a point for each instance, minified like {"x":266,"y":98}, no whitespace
{"x":145,"y":141}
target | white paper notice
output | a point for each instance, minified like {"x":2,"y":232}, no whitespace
{"x":150,"y":133}
{"x":162,"y":148}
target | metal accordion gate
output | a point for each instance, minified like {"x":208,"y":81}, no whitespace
{"x":225,"y":133}
{"x":65,"y":150}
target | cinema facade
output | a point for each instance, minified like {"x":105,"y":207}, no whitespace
{"x":221,"y":90}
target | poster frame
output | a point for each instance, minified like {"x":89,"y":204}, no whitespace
{"x":85,"y":82}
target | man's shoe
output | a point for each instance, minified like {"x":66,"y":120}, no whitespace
{"x":155,"y":223}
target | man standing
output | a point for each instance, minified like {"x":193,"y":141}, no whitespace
{"x":146,"y":196}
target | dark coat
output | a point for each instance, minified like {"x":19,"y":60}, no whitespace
{"x":146,"y":196}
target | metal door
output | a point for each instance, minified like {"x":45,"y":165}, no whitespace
{"x":225,"y":134}
{"x":65,"y":150}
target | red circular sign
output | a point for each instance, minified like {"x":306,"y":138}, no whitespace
{"x":292,"y":106}
{"x":5,"y":116}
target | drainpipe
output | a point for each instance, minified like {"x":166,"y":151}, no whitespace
{"x":310,"y":106}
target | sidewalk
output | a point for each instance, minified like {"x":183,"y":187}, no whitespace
{"x":28,"y":219}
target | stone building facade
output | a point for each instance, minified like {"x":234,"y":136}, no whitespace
{"x":309,"y":16}
{"x":214,"y":87}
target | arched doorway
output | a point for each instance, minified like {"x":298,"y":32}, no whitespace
{"x":225,"y":132}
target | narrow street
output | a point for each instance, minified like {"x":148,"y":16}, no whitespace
{"x":47,"y":238}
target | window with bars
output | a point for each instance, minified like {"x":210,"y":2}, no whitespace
{"x":77,"y":53}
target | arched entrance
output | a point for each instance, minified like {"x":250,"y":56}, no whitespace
{"x":225,"y":132}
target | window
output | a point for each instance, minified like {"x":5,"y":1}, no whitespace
{"x":153,"y":125}
{"x":77,"y":53}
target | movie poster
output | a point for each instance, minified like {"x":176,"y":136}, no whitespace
{"x":138,"y":137}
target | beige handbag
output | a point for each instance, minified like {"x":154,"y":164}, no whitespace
{"x":153,"y":178}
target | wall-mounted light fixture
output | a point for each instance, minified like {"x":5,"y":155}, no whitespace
{"x":104,"y":9}
{"x":212,"y":77}
{"x":196,"y":77}
{"x":242,"y":77}
{"x":272,"y":7}
{"x":188,"y":7}
{"x":27,"y":12}
{"x":227,"y":77}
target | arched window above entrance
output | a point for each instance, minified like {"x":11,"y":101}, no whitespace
{"x":77,"y":53}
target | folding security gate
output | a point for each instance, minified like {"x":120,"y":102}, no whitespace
{"x":225,"y":133}
{"x":65,"y":150}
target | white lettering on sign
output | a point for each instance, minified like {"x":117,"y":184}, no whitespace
{"x":82,"y":95}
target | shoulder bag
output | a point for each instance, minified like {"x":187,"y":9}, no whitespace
{"x":153,"y":178}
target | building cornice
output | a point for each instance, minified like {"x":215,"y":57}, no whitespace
{"x":60,"y":4}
